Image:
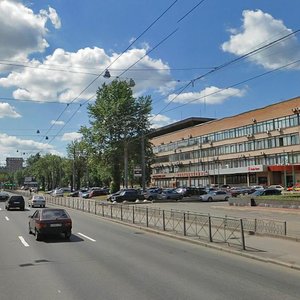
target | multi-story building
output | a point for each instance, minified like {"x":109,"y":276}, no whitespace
{"x":258,"y":147}
{"x":14,"y":164}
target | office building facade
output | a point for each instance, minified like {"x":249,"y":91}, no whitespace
{"x":258,"y":147}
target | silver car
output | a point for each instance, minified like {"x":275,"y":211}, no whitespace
{"x":215,"y":196}
{"x":37,"y":200}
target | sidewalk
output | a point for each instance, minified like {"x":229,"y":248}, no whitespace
{"x":283,"y":251}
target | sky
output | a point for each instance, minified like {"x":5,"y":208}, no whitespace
{"x":195,"y":58}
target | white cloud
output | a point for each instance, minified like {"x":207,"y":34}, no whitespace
{"x":43,"y":84}
{"x":53,"y":16}
{"x":158,"y":121}
{"x":23,"y":31}
{"x":71,"y":136}
{"x":60,"y":123}
{"x":6,"y":110}
{"x":260,"y":29}
{"x":13,"y":146}
{"x":210,"y":95}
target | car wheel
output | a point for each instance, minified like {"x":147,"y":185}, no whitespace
{"x":38,"y":235}
{"x":7,"y":208}
{"x":226,"y":198}
{"x":210,"y":199}
{"x":150,"y":198}
{"x":29,"y":229}
{"x":68,"y":235}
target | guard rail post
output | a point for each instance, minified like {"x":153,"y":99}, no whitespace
{"x":184,"y":225}
{"x":285,"y":228}
{"x":164,"y":222}
{"x":133,"y":214}
{"x":242,"y":234}
{"x":147,"y":222}
{"x":209,"y":229}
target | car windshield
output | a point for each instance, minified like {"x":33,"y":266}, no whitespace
{"x":54,"y":214}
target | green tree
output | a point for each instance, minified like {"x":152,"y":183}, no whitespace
{"x":118,"y":120}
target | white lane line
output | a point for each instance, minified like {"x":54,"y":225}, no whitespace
{"x":87,"y":237}
{"x":0,"y":208}
{"x":6,"y":218}
{"x":23,"y":241}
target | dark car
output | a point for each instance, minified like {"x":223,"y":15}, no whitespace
{"x":49,"y":221}
{"x":190,"y":191}
{"x":4,"y":196}
{"x":266,"y":192}
{"x":15,"y":202}
{"x":110,"y":196}
{"x":241,"y":191}
{"x":128,"y":195}
{"x":95,"y":192}
{"x":77,"y":193}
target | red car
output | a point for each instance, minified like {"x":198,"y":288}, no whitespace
{"x":50,"y":221}
{"x":295,"y":187}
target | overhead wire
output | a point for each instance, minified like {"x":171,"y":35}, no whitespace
{"x":250,"y":53}
{"x":190,"y":11}
{"x":136,"y":39}
{"x":238,"y":83}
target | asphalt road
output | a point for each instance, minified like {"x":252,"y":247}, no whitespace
{"x":105,"y":260}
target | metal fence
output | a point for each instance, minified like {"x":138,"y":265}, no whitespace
{"x":192,"y":225}
{"x":195,"y":225}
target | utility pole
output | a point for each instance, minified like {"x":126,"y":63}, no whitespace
{"x":73,"y":179}
{"x":143,"y":163}
{"x":125,"y":164}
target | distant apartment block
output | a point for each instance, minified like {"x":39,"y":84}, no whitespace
{"x":14,"y":164}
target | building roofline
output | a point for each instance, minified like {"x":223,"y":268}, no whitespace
{"x":192,"y":121}
{"x":189,"y":122}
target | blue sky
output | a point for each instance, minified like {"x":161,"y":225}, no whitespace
{"x":50,"y":51}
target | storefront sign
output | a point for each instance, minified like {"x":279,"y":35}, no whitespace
{"x":249,"y":169}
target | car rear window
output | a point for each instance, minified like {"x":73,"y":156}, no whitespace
{"x":16,"y":199}
{"x":54,"y":214}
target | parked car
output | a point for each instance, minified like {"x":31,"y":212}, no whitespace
{"x":215,"y":196}
{"x":277,"y":187}
{"x":109,"y":196}
{"x":170,"y":194}
{"x":127,"y":195}
{"x":78,"y":193}
{"x":266,"y":192}
{"x":295,"y":187}
{"x":94,"y":192}
{"x":15,"y":201}
{"x":57,"y":193}
{"x":152,"y":193}
{"x":37,"y":200}
{"x":4,"y":196}
{"x":190,"y":191}
{"x":50,"y":221}
{"x":241,"y":191}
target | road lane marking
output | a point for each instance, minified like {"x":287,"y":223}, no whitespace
{"x":23,"y":241}
{"x":0,"y":208}
{"x":87,"y":237}
{"x":6,"y":218}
